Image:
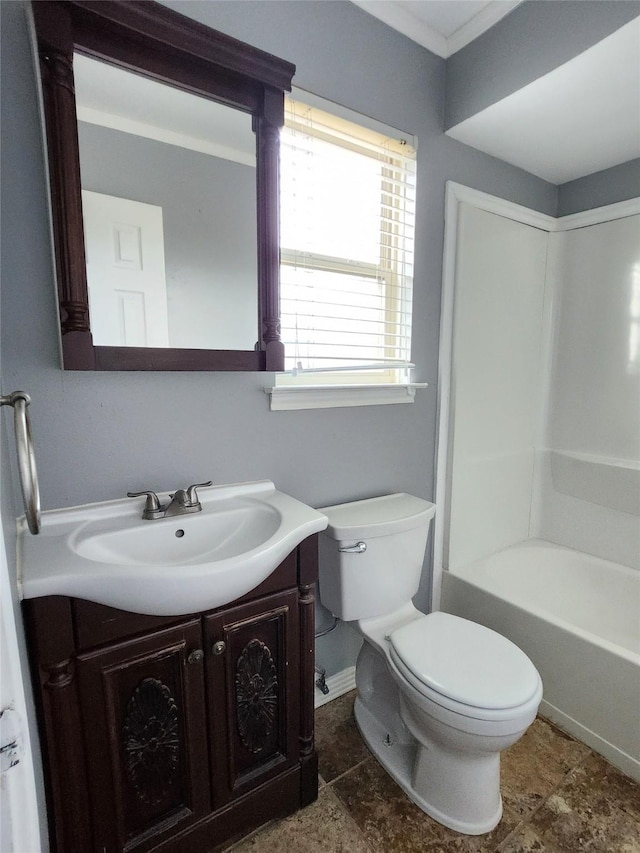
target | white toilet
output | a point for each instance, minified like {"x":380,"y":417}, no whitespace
{"x":438,"y":696}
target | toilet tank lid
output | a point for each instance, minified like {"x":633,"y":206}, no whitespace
{"x":377,"y":516}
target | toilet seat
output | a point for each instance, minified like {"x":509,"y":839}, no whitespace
{"x":467,"y":718}
{"x":464,"y":667}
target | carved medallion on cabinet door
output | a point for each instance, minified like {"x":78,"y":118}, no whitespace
{"x":252,"y":683}
{"x":143,"y":707}
{"x":256,"y":695}
{"x":151,"y":741}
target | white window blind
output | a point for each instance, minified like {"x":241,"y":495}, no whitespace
{"x":347,"y":237}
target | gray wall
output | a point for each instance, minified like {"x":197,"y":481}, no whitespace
{"x":532,"y":40}
{"x":209,"y":220}
{"x":101,"y":434}
{"x":606,"y":187}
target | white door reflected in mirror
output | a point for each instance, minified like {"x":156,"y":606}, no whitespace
{"x":194,"y":161}
{"x":124,"y":244}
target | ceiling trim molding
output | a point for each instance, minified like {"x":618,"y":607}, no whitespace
{"x":395,"y":15}
{"x":398,"y":18}
{"x":480,"y":23}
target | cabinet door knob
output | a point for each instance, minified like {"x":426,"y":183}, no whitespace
{"x":195,"y":656}
{"x":218,"y":648}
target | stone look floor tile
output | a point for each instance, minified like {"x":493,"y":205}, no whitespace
{"x":558,"y":797}
{"x":534,"y":766}
{"x":391,"y":822}
{"x":596,"y":810}
{"x":527,"y":840}
{"x":322,"y":827}
{"x":338,"y":740}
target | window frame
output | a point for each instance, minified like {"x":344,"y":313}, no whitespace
{"x":328,"y":387}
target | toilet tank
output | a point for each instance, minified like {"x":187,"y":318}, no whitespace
{"x":359,"y":581}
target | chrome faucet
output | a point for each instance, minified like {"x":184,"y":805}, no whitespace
{"x":182,"y":502}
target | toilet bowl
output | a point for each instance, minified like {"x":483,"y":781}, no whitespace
{"x":439,"y":697}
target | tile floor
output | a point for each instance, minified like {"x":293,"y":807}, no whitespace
{"x":558,"y":796}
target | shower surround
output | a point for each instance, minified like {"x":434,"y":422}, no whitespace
{"x":538,"y":534}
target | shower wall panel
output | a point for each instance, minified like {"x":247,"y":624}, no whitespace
{"x":496,"y":382}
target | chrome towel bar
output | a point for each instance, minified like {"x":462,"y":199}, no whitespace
{"x":26,"y":457}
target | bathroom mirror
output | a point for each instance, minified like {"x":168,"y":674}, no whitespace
{"x":169,"y":209}
{"x":163,"y":140}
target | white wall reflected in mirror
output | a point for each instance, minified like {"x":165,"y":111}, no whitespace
{"x":145,"y":145}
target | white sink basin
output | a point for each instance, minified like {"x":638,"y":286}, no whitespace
{"x":231,"y":529}
{"x":105,"y":552}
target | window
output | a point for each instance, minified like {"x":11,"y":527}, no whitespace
{"x":347,"y":235}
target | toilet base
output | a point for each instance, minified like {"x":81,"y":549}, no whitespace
{"x":398,"y":757}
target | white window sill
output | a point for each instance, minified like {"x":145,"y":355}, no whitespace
{"x":287,"y":398}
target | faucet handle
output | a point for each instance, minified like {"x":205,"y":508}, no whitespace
{"x":192,"y":495}
{"x":152,"y":505}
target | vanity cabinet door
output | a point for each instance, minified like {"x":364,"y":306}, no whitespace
{"x":253,"y":693}
{"x":144,"y":721}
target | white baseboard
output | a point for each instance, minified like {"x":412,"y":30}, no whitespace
{"x":622,"y":760}
{"x":339,"y":684}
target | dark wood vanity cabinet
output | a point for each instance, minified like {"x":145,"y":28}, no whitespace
{"x":251,"y":673}
{"x":143,"y":715}
{"x":175,"y":734}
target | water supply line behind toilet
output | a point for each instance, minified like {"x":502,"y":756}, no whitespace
{"x":321,"y":681}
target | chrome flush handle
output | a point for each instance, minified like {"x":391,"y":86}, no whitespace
{"x":358,"y":548}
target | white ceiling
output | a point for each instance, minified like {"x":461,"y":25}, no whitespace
{"x":115,"y":98}
{"x":580,"y":118}
{"x":442,"y":26}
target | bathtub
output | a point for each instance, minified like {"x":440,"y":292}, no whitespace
{"x":578,"y":619}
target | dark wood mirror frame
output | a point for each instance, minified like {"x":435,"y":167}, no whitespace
{"x":143,"y":36}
